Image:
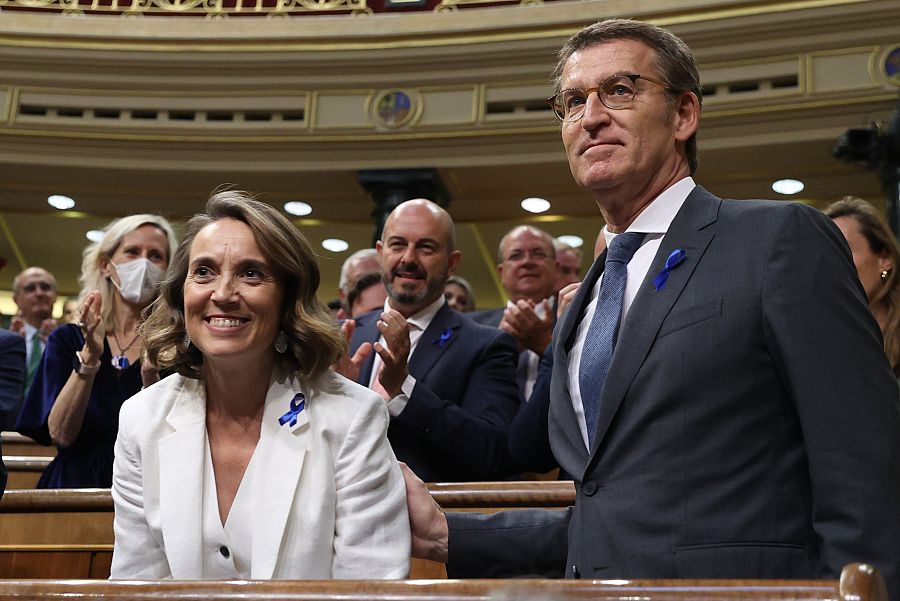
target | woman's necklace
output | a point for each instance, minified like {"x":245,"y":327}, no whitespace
{"x":120,"y":361}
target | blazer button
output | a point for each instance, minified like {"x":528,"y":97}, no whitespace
{"x":589,"y":488}
{"x":224,"y":551}
{"x":575,"y":572}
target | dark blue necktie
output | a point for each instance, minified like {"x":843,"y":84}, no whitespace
{"x":601,"y":336}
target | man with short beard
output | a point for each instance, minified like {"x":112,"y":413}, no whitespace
{"x":448,"y":382}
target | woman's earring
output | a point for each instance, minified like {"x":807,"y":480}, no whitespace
{"x":281,"y":342}
{"x":884,"y":274}
{"x":186,"y":343}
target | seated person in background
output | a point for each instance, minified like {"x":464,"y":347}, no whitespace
{"x":449,"y":383}
{"x":876,"y":256}
{"x":88,"y":371}
{"x":12,"y":377}
{"x":367,"y":294}
{"x":568,"y":265}
{"x":459,"y":295}
{"x":527,"y":271}
{"x":255,"y":460}
{"x":34,"y":292}
{"x":354,"y":267}
{"x":70,"y":310}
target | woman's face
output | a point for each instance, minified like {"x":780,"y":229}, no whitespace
{"x":869,"y":264}
{"x":456,"y":297}
{"x":232,"y":299}
{"x":147,"y":242}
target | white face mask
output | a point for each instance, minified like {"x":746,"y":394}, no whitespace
{"x":138,"y":280}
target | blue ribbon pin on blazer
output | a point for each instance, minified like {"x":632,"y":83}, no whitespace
{"x":674,"y":260}
{"x":446,"y":335}
{"x":298,"y":404}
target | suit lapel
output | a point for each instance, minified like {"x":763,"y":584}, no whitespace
{"x":281,"y":454}
{"x":650,"y":307}
{"x":430,"y":347}
{"x":181,"y":456}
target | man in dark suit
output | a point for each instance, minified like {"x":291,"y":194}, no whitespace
{"x":527,"y":268}
{"x":449,"y":383}
{"x":748,"y":426}
{"x":12,"y":381}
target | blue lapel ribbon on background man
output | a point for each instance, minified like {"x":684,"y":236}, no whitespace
{"x":446,"y":335}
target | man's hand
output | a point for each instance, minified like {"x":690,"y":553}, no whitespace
{"x":565,"y":298}
{"x":47,"y":326}
{"x":427,"y":522}
{"x":17,"y":325}
{"x":349,"y":366}
{"x":395,"y":330}
{"x":522,"y":321}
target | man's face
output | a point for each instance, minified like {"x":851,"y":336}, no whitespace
{"x":358,"y":268}
{"x":415,"y":258}
{"x":528,"y":270}
{"x":622,"y":152}
{"x":35,"y":295}
{"x":369,"y":299}
{"x":567,"y":272}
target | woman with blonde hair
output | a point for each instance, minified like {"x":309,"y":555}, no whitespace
{"x":88,"y":369}
{"x":876,"y":256}
{"x":255,"y":460}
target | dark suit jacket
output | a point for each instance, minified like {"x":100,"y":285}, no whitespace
{"x":488,"y":317}
{"x":748,"y":427}
{"x":529,"y":440}
{"x":12,"y":377}
{"x":12,"y":381}
{"x":454,"y":426}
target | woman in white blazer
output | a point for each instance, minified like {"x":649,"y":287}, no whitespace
{"x":254,"y":461}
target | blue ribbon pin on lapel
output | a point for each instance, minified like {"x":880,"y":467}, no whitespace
{"x":298,"y":404}
{"x":445,"y":336}
{"x":674,"y":260}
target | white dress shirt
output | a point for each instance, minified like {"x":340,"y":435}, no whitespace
{"x":654,"y":221}
{"x":418,"y":323}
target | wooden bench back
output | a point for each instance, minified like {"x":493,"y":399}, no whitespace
{"x":857,"y":583}
{"x":68,"y":533}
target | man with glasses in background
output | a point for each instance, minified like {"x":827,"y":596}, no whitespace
{"x":34,"y":292}
{"x":719,"y":391}
{"x":527,"y":269}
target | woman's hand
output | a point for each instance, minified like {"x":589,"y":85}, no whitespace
{"x":92,"y":328}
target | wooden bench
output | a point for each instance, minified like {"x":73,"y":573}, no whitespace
{"x":857,"y":583}
{"x":38,"y":527}
{"x":24,"y":470}
{"x":16,"y":444}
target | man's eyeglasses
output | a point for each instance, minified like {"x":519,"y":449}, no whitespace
{"x":32,"y":286}
{"x":536,"y":254}
{"x":615,"y":92}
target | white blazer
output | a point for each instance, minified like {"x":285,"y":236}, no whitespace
{"x":334,"y":504}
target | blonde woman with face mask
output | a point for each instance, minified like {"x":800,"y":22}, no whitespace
{"x":89,"y":368}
